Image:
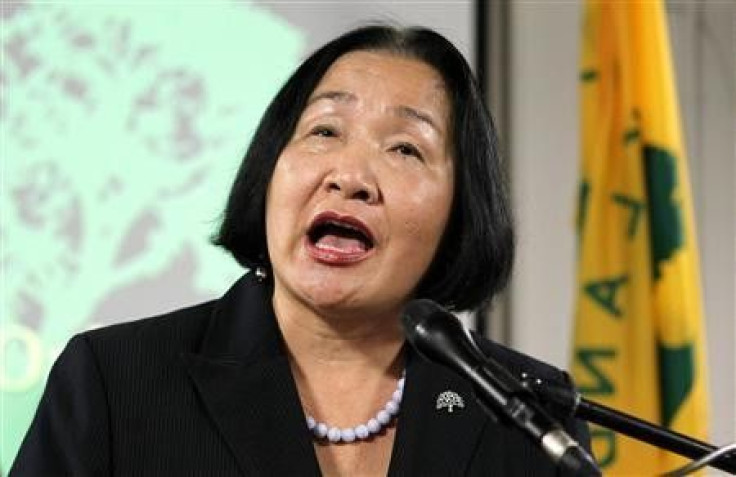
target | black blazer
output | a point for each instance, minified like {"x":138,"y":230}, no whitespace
{"x":207,"y":390}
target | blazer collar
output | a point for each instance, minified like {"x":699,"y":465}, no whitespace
{"x":243,"y":377}
{"x":243,"y":326}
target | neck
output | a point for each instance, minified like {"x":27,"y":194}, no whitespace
{"x":346,"y":367}
{"x":357,"y":341}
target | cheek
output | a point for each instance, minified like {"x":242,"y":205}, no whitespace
{"x":281,"y":193}
{"x":290,"y":193}
{"x":291,"y":183}
{"x":425,"y":216}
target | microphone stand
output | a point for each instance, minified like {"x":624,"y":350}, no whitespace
{"x":627,"y":424}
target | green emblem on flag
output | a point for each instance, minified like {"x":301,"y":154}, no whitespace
{"x":677,"y":376}
{"x":665,"y":217}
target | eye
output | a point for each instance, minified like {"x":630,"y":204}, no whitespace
{"x":323,"y":131}
{"x":406,"y":149}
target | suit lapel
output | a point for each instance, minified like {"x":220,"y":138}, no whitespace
{"x":431,"y":441}
{"x":243,"y":378}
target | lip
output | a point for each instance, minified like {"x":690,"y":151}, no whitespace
{"x":337,"y":257}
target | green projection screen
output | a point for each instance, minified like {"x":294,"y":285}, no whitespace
{"x":122,"y":128}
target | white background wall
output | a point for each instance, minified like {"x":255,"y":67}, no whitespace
{"x":543,"y":141}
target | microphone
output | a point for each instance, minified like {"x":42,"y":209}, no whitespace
{"x":440,"y":337}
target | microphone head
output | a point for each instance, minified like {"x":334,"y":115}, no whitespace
{"x":438,"y":335}
{"x":416,"y":313}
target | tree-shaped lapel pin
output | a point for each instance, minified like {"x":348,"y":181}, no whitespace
{"x":449,"y":400}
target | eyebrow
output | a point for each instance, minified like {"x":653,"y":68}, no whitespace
{"x":339,"y":96}
{"x":411,"y":113}
{"x":402,"y":111}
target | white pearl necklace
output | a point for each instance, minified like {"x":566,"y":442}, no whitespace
{"x":374,"y":425}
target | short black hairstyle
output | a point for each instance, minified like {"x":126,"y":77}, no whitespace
{"x":474,"y":258}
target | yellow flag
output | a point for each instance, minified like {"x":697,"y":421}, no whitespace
{"x":638,"y":343}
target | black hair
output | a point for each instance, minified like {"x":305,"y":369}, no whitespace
{"x":475,"y":255}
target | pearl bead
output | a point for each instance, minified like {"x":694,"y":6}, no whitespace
{"x":374,"y":426}
{"x":362,"y":431}
{"x":383,"y":417}
{"x":347,"y":435}
{"x":333,"y":434}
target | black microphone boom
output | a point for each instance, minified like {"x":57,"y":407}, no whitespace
{"x":440,"y":337}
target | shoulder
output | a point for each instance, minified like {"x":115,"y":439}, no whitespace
{"x":168,"y":334}
{"x":520,"y":364}
{"x":183,"y":320}
{"x":120,"y":377}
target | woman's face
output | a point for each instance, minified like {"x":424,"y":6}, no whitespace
{"x":361,"y":194}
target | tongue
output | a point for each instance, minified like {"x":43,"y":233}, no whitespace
{"x":341,"y":244}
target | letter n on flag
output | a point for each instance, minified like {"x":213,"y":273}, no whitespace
{"x":638,"y":344}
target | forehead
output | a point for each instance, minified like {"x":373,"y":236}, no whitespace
{"x":389,"y":75}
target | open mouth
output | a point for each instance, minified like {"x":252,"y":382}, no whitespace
{"x":340,"y":235}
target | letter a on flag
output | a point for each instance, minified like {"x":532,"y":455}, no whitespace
{"x":638,"y":344}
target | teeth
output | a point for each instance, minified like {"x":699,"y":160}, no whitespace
{"x":345,"y":226}
{"x":321,"y":228}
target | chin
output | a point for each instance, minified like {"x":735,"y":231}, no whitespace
{"x":343,"y":291}
{"x":334,"y":296}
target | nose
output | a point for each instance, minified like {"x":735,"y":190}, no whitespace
{"x":353,"y":179}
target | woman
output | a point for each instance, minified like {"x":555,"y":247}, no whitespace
{"x":372,"y":179}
